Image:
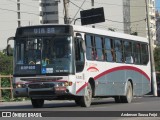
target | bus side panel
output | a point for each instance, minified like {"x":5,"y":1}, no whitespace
{"x":136,"y":79}
{"x":114,"y":83}
{"x":146,"y":85}
{"x":80,"y":84}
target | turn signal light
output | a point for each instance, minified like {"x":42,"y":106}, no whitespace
{"x":68,"y":84}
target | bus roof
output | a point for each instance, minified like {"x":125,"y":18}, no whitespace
{"x":108,"y":33}
{"x":97,"y":31}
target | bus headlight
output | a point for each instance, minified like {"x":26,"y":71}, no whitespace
{"x":60,"y":84}
{"x":19,"y":86}
{"x":63,"y":84}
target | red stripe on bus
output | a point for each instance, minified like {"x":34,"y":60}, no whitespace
{"x":122,"y":68}
{"x":92,"y":68}
{"x":81,"y":88}
{"x":113,"y":70}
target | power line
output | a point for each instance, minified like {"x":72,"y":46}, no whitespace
{"x":76,"y":5}
{"x":6,"y":4}
{"x":16,"y":11}
{"x":120,"y":21}
{"x":126,"y":22}
{"x":78,"y":11}
{"x":113,"y":4}
{"x":22,"y":3}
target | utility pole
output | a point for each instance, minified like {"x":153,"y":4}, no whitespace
{"x":66,"y":15}
{"x":18,"y":13}
{"x":92,"y":4}
{"x":92,"y":1}
{"x":153,"y":72}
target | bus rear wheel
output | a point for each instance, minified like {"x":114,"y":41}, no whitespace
{"x":37,"y":103}
{"x":129,"y":94}
{"x":128,"y":97}
{"x":87,"y":99}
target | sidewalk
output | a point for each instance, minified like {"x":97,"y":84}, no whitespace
{"x":3,"y":104}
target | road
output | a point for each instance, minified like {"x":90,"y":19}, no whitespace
{"x":147,"y":103}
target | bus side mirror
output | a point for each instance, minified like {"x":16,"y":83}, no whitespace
{"x":9,"y":50}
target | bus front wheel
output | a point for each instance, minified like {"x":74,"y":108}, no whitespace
{"x":78,"y":100}
{"x":37,"y":103}
{"x":87,"y":99}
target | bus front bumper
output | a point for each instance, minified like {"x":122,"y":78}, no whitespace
{"x":20,"y":92}
{"x":46,"y":91}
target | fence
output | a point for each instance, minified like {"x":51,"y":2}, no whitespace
{"x":10,"y":77}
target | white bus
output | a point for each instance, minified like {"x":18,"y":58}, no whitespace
{"x":53,"y":62}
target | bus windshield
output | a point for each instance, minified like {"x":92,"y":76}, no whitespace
{"x":43,"y":55}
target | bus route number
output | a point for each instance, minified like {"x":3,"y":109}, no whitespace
{"x":44,"y":30}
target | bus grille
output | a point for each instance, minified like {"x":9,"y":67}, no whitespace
{"x":41,"y":85}
{"x":39,"y":93}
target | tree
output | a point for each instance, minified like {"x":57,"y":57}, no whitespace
{"x":6,"y":64}
{"x":157,"y":61}
{"x":157,"y":58}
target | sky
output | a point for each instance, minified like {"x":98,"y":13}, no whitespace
{"x":158,"y":5}
{"x":8,"y":19}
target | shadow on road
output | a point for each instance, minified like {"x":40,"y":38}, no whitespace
{"x":68,"y":104}
{"x":49,"y":104}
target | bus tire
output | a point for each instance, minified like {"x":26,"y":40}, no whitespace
{"x":37,"y":103}
{"x":77,"y":100}
{"x":129,"y":94}
{"x":86,"y":100}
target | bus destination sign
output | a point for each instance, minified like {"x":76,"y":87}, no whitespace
{"x":43,"y":30}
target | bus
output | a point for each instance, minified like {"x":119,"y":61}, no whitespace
{"x":68,"y":62}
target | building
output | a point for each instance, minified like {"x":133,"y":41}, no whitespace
{"x":138,"y":18}
{"x":127,"y":16}
{"x":48,"y":11}
{"x":138,"y":13}
{"x":114,"y":12}
{"x":152,"y":17}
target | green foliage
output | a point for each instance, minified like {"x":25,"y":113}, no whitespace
{"x":5,"y":82}
{"x":6,"y":64}
{"x":157,"y":58}
{"x":6,"y":95}
{"x":6,"y":68}
{"x":157,"y":62}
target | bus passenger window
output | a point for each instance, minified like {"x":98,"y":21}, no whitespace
{"x":98,"y":51}
{"x":119,"y":51}
{"x":128,"y":52}
{"x":89,"y":53}
{"x":144,"y":54}
{"x":94,"y":54}
{"x":110,"y":54}
{"x":137,"y":53}
{"x":89,"y":47}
